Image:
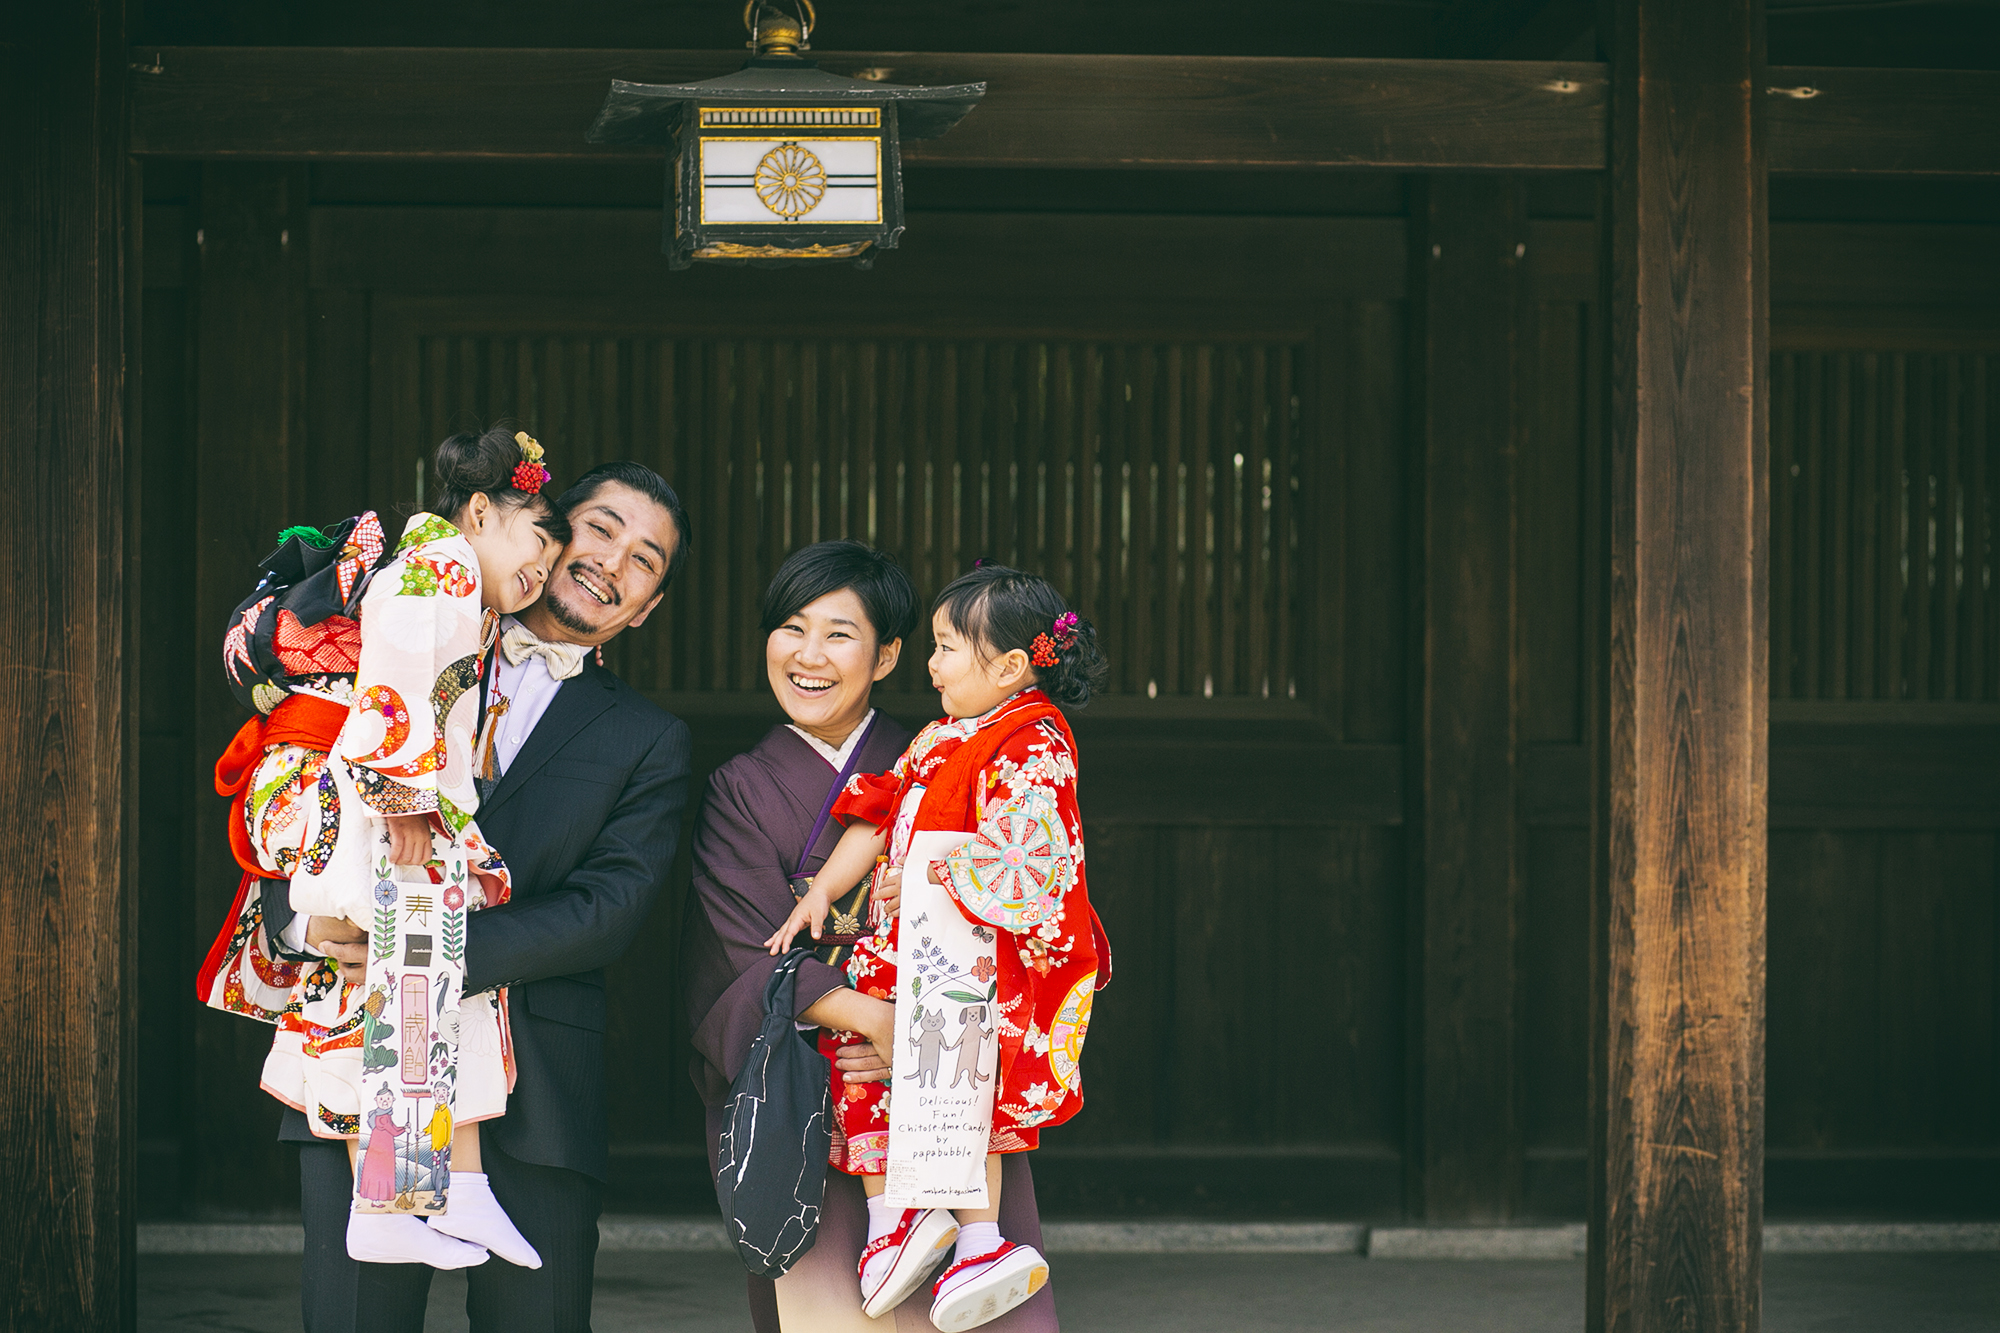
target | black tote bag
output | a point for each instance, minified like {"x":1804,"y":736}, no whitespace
{"x":776,"y":1132}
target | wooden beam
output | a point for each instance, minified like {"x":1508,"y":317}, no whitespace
{"x":1039,"y":111}
{"x":1680,"y":724}
{"x":1043,"y":110}
{"x":1883,"y":122}
{"x":1468,"y":280}
{"x":66,"y":938}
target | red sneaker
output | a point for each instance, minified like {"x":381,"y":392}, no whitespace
{"x":922,"y":1238}
{"x":979,"y":1290}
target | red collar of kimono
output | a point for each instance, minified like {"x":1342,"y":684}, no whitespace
{"x":951,"y":798}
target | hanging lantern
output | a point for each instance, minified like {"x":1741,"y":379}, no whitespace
{"x":781,"y":163}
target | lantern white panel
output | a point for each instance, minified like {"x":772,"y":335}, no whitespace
{"x":804,"y":181}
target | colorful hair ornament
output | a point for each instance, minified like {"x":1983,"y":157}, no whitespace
{"x":1065,"y":630}
{"x":1045,"y":652}
{"x":529,"y":475}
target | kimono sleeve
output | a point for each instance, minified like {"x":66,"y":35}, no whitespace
{"x":742,"y":886}
{"x":415,"y":620}
{"x":869,"y":798}
{"x":1023,"y":858}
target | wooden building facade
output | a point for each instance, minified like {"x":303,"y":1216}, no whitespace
{"x":1358,"y":439}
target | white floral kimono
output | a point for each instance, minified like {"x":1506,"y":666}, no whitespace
{"x":406,"y":748}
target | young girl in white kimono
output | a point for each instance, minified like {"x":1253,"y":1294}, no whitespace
{"x":380,"y":831}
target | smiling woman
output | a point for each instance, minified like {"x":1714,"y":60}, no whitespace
{"x":835,"y":618}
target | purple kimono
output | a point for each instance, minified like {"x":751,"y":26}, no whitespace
{"x":759,"y":810}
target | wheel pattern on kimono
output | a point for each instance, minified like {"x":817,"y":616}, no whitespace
{"x":1067,"y":1032}
{"x":1014,"y":872}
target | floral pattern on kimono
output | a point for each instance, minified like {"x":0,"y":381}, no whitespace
{"x":1021,"y":881}
{"x":406,"y":748}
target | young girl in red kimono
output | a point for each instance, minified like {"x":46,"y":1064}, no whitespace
{"x":1003,"y":763}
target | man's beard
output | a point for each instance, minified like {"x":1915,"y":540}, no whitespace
{"x":567,"y":618}
{"x":560,"y":612}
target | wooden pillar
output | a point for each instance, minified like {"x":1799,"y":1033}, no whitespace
{"x":66,"y":943}
{"x":1469,"y":237}
{"x":1681,"y":720}
{"x":250,"y":396}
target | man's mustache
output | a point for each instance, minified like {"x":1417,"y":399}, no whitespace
{"x":597,"y":577}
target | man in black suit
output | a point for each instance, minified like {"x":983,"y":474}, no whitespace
{"x":586,"y":811}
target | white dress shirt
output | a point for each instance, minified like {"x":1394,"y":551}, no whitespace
{"x":527,"y":690}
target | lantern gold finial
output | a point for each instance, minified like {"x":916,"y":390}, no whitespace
{"x":774,"y":32}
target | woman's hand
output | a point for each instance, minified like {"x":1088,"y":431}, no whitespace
{"x":409,"y":839}
{"x":861,"y":1064}
{"x":888,"y":893}
{"x":869,"y":1062}
{"x":811,"y":911}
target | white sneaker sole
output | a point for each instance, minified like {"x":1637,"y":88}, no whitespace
{"x":929,"y":1242}
{"x":982,"y":1299}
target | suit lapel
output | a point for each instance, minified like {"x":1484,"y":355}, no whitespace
{"x":579,"y":700}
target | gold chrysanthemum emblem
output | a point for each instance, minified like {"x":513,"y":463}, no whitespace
{"x":790,"y":181}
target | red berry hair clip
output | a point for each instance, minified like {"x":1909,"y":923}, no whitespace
{"x":529,"y":474}
{"x":1064,"y":639}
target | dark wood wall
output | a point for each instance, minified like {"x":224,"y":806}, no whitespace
{"x":1210,"y":429}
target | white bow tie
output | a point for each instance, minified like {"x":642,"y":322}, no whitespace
{"x":564,"y":660}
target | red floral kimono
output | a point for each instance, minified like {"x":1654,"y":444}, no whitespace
{"x":1011,"y":776}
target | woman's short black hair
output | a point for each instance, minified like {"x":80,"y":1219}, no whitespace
{"x":1001,"y":609}
{"x":811,"y":572}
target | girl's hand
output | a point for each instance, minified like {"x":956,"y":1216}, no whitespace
{"x":811,"y":911}
{"x":937,"y":875}
{"x":888,"y":893}
{"x":409,"y":839}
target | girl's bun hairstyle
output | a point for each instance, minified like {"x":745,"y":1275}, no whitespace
{"x":1001,"y":609}
{"x":483,"y":462}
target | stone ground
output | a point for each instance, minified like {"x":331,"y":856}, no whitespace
{"x":1172,"y":1293}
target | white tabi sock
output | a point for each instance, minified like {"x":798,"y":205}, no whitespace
{"x":975,"y":1239}
{"x":473,"y":1214}
{"x":882,"y":1219}
{"x":389,"y":1238}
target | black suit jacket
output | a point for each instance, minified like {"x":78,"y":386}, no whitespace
{"x":588,"y":818}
